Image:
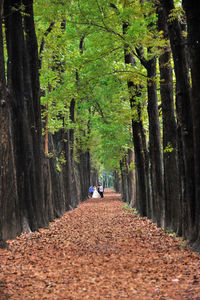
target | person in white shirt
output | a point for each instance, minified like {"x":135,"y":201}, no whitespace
{"x":101,"y":190}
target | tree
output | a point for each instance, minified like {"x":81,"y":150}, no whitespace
{"x":170,"y":154}
{"x":192,"y":10}
{"x":8,"y":196}
{"x":184,"y":117}
{"x":23,"y":86}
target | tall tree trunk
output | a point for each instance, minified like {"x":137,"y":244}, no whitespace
{"x":69,"y":169}
{"x":142,"y":170}
{"x":141,"y":154}
{"x":94,"y":176}
{"x":84,"y":172}
{"x":15,"y":49}
{"x":131,"y":178}
{"x":171,"y":171}
{"x":155,"y":155}
{"x":25,"y":114}
{"x":57,"y":195}
{"x":124,"y":179}
{"x":84,"y":164}
{"x":143,"y":197}
{"x":184,"y":117}
{"x":74,"y":192}
{"x":9,"y":203}
{"x":117,"y":182}
{"x":192,"y":9}
{"x":155,"y":144}
{"x":34,"y":109}
{"x":127,"y":178}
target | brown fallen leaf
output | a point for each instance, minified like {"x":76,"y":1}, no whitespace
{"x":99,"y":251}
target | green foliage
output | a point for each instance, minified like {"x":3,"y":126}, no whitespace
{"x":177,"y":13}
{"x":94,"y":75}
{"x":168,"y":148}
{"x":171,"y":232}
{"x":131,"y":210}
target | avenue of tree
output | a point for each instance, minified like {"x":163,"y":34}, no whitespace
{"x":94,"y":86}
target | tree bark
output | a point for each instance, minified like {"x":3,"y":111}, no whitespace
{"x":171,"y":171}
{"x":74,"y":192}
{"x":127,"y":179}
{"x":84,"y":172}
{"x":184,"y":117}
{"x":142,"y":169}
{"x":23,"y":86}
{"x":117,"y":182}
{"x":84,"y":164}
{"x":124,"y":179}
{"x":9,"y":210}
{"x":192,"y":9}
{"x":155,"y":144}
{"x":131,"y":178}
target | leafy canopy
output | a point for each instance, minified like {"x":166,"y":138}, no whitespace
{"x":82,"y":53}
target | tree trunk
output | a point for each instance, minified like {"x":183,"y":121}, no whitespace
{"x":56,"y":193}
{"x":131,"y":179}
{"x":25,"y":113}
{"x":124,"y":179}
{"x":184,"y":116}
{"x":142,"y":197}
{"x":9,"y":203}
{"x":84,"y":172}
{"x":94,"y":176}
{"x":34,"y":113}
{"x":128,"y":179}
{"x":141,"y":164}
{"x":84,"y":164}
{"x":74,"y":192}
{"x":171,"y":171}
{"x":117,"y":182}
{"x":192,"y":12}
{"x":155,"y":145}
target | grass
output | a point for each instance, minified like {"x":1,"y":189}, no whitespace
{"x":131,"y":210}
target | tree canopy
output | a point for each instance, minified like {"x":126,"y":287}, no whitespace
{"x":82,"y":55}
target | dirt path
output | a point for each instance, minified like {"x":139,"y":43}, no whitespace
{"x":99,"y":251}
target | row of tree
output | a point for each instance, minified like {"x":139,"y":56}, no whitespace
{"x":167,"y":175}
{"x":118,"y":84}
{"x":36,"y":186}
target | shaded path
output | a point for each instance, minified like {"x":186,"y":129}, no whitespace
{"x":99,"y":251}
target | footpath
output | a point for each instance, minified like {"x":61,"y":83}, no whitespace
{"x":101,"y":250}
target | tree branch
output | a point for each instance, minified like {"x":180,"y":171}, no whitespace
{"x":140,"y":54}
{"x":101,"y":112}
{"x":49,"y":29}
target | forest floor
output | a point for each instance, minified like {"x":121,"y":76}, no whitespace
{"x":101,"y":250}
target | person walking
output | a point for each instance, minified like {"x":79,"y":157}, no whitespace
{"x":101,"y":190}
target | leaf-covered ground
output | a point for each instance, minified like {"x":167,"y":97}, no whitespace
{"x":99,"y":251}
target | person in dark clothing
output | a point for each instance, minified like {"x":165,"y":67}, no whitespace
{"x":91,"y":190}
